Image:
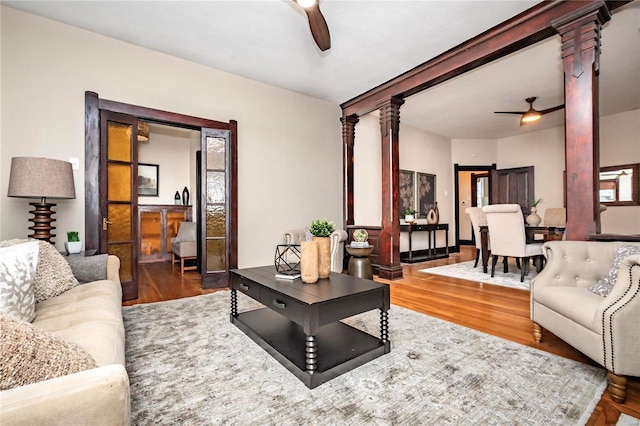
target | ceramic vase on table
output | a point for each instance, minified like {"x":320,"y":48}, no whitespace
{"x":324,"y":256}
{"x":309,"y":262}
{"x":433,"y":215}
{"x":185,"y":196}
{"x":533,"y":219}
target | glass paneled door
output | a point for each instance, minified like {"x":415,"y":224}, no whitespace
{"x":215,"y":202}
{"x":119,"y":194}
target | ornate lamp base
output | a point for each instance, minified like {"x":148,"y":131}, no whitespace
{"x":42,"y":221}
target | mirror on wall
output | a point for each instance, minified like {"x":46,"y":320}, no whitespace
{"x":619,"y":185}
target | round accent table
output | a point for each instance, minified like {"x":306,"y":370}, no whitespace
{"x":360,"y":264}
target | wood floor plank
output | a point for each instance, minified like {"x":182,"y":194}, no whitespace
{"x":496,"y":310}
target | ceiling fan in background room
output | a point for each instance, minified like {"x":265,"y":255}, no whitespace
{"x":317,"y":23}
{"x":531,"y":114}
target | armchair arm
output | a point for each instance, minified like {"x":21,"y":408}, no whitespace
{"x":618,"y":317}
{"x":337,"y":250}
{"x":99,"y":396}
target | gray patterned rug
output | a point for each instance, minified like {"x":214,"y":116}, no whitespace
{"x":465,"y":270}
{"x":188,"y":365}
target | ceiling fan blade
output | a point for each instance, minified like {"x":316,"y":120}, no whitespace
{"x":509,"y":112}
{"x":548,"y":110}
{"x":318,"y":25}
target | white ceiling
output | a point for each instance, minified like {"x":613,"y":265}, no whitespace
{"x":371,"y":42}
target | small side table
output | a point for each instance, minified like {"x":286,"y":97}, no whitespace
{"x":360,"y":264}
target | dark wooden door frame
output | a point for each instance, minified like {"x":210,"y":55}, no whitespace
{"x":93,"y":217}
{"x":456,"y":190}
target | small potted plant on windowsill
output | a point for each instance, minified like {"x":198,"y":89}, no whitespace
{"x":73,"y":244}
{"x":409,"y":215}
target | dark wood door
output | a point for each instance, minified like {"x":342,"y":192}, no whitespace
{"x":119,"y":194}
{"x":513,"y":186}
{"x":217,"y":199}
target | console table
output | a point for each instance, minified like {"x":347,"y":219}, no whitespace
{"x":431,"y":230}
{"x":300,"y":324}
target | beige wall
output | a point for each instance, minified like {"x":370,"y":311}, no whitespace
{"x":289,"y":145}
{"x":171,"y":151}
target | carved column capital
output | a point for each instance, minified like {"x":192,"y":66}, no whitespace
{"x":349,"y":128}
{"x":390,"y":115}
{"x":580,"y":32}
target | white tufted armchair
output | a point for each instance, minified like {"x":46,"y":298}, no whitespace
{"x":606,"y":329}
{"x":295,"y":236}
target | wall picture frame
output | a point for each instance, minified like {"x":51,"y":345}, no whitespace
{"x":406,"y":193}
{"x":425,"y":193}
{"x":148,"y":180}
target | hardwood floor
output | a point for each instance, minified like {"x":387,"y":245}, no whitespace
{"x":495,"y":310}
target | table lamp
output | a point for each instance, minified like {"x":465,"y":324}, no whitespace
{"x":42,"y":178}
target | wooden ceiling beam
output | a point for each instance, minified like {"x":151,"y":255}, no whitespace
{"x":525,"y":29}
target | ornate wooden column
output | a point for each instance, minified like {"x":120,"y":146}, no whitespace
{"x":389,"y":261}
{"x":348,"y":141}
{"x":580,"y":33}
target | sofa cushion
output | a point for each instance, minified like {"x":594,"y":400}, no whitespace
{"x":53,"y":273}
{"x":574,"y":303}
{"x":603,"y":287}
{"x":17,"y":270}
{"x":89,"y":315}
{"x":30,"y":354}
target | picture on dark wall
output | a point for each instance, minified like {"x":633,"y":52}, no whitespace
{"x":426,"y":193}
{"x":148,"y":180}
{"x":407,"y":191}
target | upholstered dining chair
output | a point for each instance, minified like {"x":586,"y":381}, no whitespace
{"x":508,"y":237}
{"x":184,"y":246}
{"x":555,"y":216}
{"x":477,"y":219}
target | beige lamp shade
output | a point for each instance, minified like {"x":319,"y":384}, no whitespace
{"x":32,"y":177}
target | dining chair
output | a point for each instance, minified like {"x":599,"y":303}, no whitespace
{"x":555,"y":216}
{"x":508,"y":237}
{"x":477,"y":219}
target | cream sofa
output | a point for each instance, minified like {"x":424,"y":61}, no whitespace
{"x":603,"y":328}
{"x":91,"y":316}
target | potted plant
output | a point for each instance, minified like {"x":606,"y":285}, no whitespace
{"x":321,"y":229}
{"x":73,"y":244}
{"x":409,"y":214}
{"x":533,"y":219}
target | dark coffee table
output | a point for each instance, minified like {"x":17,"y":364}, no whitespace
{"x":300,"y":324}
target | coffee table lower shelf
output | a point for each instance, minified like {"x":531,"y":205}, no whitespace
{"x":340,"y":347}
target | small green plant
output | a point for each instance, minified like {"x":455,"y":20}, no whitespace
{"x":321,"y":227}
{"x":534,"y":202}
{"x":72,"y":236}
{"x":408,"y":211}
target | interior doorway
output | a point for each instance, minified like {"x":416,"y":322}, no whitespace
{"x":472,"y":189}
{"x":217,"y":188}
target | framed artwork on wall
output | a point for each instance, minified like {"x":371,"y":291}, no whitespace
{"x":148,"y":180}
{"x":426,"y":193}
{"x":407,"y":191}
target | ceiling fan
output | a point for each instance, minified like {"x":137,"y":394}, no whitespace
{"x":531,"y":114}
{"x":317,"y":23}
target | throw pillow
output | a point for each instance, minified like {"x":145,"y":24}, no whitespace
{"x":30,"y":354}
{"x":605,"y":285}
{"x":17,"y":270}
{"x":53,"y":274}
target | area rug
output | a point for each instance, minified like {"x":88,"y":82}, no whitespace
{"x":189,"y":365}
{"x":466,"y":271}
